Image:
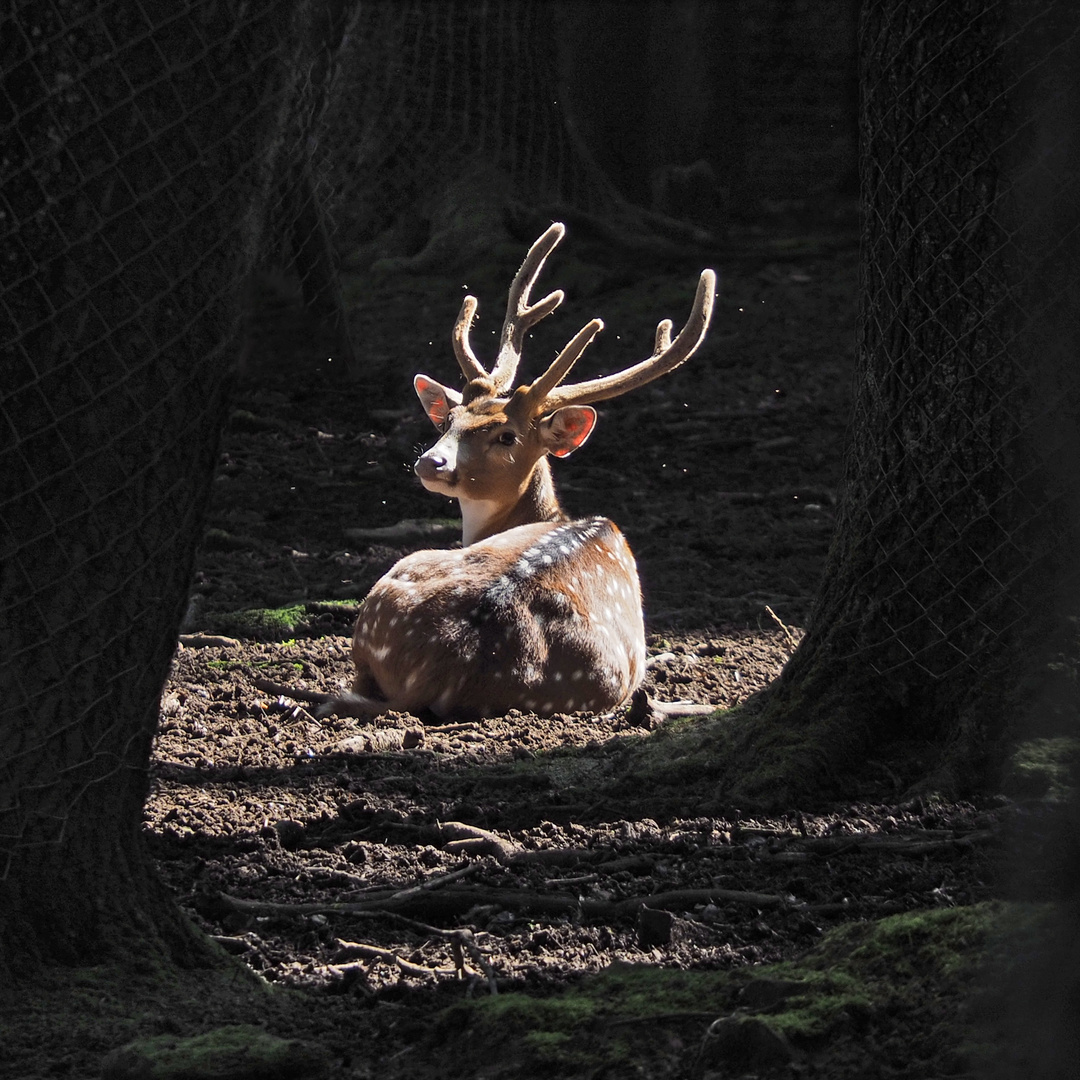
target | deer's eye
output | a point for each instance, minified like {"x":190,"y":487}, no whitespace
{"x":507,"y":438}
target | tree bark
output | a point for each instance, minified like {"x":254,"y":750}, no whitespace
{"x":458,"y":145}
{"x":131,"y":208}
{"x":942,"y":551}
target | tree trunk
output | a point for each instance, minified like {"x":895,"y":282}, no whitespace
{"x":656,"y":99}
{"x":131,"y":209}
{"x":458,"y":145}
{"x":945,"y":534}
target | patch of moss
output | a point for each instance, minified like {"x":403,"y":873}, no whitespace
{"x":862,"y":972}
{"x":1043,"y":769}
{"x":286,"y":623}
{"x":236,"y":1052}
{"x":260,"y":624}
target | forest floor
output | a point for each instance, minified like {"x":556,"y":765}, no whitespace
{"x":396,"y":873}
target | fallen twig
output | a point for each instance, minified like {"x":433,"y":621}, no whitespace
{"x":351,"y":949}
{"x":463,"y":941}
{"x":436,"y":882}
{"x":459,"y":900}
{"x":381,"y":741}
{"x":468,"y":838}
{"x":792,"y":641}
{"x":280,"y":690}
{"x":895,"y":845}
{"x":207,"y":641}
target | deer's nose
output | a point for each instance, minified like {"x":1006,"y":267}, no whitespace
{"x":431,"y":466}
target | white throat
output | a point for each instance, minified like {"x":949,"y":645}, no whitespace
{"x":475,"y":515}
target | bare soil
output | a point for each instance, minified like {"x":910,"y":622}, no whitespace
{"x":391,"y":868}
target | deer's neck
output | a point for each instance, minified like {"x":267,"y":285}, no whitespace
{"x":481,"y":518}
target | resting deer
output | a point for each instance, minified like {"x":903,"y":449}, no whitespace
{"x":535,"y":611}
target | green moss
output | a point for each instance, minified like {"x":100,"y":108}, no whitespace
{"x":1043,"y":768}
{"x":285,"y":624}
{"x":238,"y":1052}
{"x":546,"y":1045}
{"x":859,"y":973}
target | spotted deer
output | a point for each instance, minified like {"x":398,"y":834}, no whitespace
{"x":535,"y":611}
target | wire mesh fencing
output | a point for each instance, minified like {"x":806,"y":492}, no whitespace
{"x":145,"y":148}
{"x":458,"y":120}
{"x":960,"y":514}
{"x":153,"y":152}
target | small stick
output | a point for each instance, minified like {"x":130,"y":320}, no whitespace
{"x":281,"y":690}
{"x":203,"y":641}
{"x":787,"y":633}
{"x":435,"y":882}
{"x":388,"y":956}
{"x":463,"y":940}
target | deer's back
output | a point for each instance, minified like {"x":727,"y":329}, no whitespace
{"x":543,"y":617}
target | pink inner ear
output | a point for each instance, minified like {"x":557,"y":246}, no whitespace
{"x":576,"y":424}
{"x":436,"y":407}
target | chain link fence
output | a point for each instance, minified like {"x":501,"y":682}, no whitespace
{"x":153,"y":152}
{"x":458,"y":120}
{"x":959,"y":515}
{"x":145,"y":147}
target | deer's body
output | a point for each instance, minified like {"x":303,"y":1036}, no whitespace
{"x":535,"y":611}
{"x":543,"y":617}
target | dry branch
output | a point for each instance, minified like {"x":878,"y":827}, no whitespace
{"x":456,"y":901}
{"x":280,"y":690}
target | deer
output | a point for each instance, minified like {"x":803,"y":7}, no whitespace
{"x":535,"y":611}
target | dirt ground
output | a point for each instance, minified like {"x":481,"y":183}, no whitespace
{"x":392,"y":868}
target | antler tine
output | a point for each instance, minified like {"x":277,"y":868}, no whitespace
{"x":520,"y":317}
{"x":466,"y":358}
{"x":667,"y":355}
{"x":561,"y":365}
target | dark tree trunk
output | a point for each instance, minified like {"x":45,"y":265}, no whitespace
{"x":656,"y":98}
{"x":941,"y":552}
{"x":129,"y":213}
{"x":457,"y":147}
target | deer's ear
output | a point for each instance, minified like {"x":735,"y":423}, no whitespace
{"x":566,"y":429}
{"x":437,"y":399}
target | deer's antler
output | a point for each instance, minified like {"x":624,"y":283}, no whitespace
{"x":545,"y":394}
{"x":520,"y":317}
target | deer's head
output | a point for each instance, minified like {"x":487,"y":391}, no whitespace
{"x":496,"y":437}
